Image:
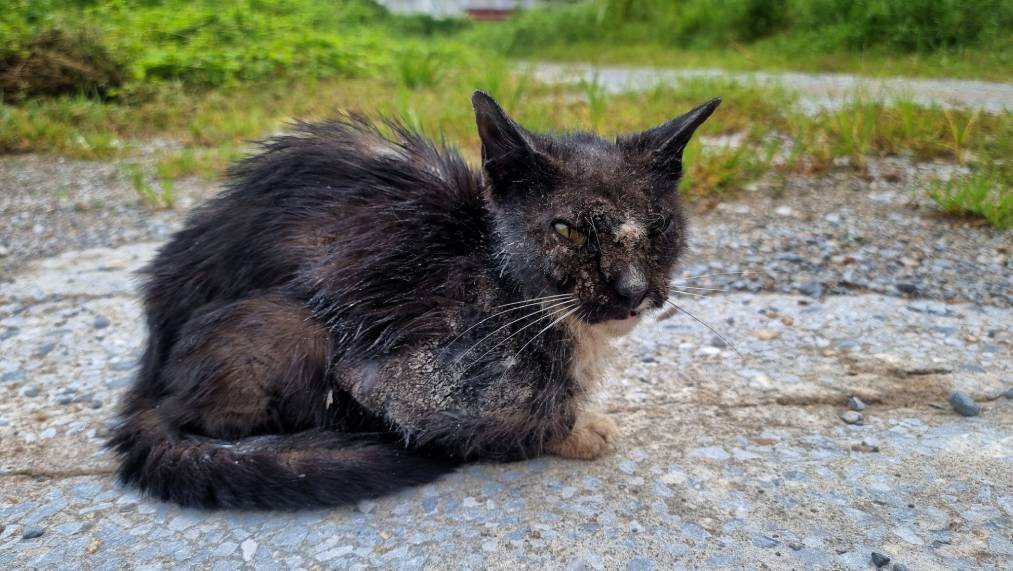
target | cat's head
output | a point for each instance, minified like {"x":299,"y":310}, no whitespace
{"x":577,"y":214}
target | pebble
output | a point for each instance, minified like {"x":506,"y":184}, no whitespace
{"x":721,"y":344}
{"x":880,"y":560}
{"x":101,"y":322}
{"x":899,"y":567}
{"x":766,"y":334}
{"x":866,"y":445}
{"x":44,"y":349}
{"x":1009,"y":393}
{"x":30,"y":391}
{"x":855,"y":403}
{"x":32,"y":533}
{"x":852,"y":417}
{"x":906,"y":288}
{"x":963,"y":404}
{"x":811,"y":289}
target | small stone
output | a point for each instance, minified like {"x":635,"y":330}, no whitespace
{"x":811,"y":288}
{"x":972,"y":368}
{"x":855,"y":403}
{"x":95,"y":403}
{"x":963,"y":404}
{"x":93,"y":547}
{"x":721,"y":344}
{"x":766,"y":334}
{"x":880,"y":560}
{"x":795,"y":545}
{"x":101,"y":322}
{"x":44,"y":350}
{"x":32,"y":533}
{"x":1009,"y":393}
{"x":866,"y":445}
{"x":899,"y":567}
{"x":30,"y":391}
{"x":852,"y":417}
{"x":764,"y":542}
{"x":906,"y":288}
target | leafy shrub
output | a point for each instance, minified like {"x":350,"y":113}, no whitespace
{"x":824,"y":25}
{"x":57,"y":61}
{"x":206,"y":43}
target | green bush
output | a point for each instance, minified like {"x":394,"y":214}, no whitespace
{"x":901,"y":26}
{"x":207,"y":43}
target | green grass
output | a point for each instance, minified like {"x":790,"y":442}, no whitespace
{"x":873,"y":37}
{"x":987,"y":194}
{"x":967,"y":63}
{"x":213,"y":79}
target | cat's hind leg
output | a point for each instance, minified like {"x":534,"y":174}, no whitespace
{"x":254,"y":366}
{"x":245,"y":418}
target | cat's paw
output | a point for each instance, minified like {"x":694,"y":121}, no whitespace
{"x":591,"y":437}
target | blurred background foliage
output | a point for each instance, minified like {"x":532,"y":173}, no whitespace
{"x":898,"y":26}
{"x":107,"y":47}
{"x":100,"y":78}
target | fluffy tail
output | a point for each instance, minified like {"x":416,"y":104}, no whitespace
{"x":314,"y":468}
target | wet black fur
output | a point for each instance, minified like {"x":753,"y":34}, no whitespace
{"x":308,"y":328}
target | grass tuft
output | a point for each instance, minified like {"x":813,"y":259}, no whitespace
{"x":986,"y":194}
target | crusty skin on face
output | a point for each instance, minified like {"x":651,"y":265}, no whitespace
{"x":360,"y":312}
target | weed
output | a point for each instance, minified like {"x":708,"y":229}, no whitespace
{"x":597,"y":99}
{"x":985,"y":193}
{"x":164,"y":198}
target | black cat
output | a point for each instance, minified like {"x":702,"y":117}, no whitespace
{"x":361,"y":312}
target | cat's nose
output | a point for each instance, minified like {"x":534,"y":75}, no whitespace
{"x":631,"y":287}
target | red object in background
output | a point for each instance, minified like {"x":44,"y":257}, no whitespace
{"x":488,"y":14}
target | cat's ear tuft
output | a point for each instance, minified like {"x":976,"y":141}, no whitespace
{"x":504,"y":143}
{"x":666,"y":143}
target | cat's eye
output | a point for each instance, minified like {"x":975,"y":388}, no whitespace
{"x":570,"y":233}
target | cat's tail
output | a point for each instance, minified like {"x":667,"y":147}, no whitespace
{"x":314,"y":468}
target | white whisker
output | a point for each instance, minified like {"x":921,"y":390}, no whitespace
{"x":688,"y":293}
{"x":701,"y":322}
{"x":498,"y":329}
{"x":549,"y":316}
{"x":528,"y":303}
{"x":699,"y":288}
{"x":547,"y":327}
{"x":701,"y":276}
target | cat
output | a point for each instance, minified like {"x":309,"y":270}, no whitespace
{"x":359,"y":311}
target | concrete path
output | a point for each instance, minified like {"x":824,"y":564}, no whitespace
{"x":817,"y":91}
{"x":726,"y":461}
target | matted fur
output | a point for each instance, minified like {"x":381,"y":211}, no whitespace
{"x":329,"y":328}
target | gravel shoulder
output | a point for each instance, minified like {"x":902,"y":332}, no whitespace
{"x":818,"y":91}
{"x":727,"y":460}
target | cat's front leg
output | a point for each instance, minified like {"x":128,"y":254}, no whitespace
{"x":591,"y":437}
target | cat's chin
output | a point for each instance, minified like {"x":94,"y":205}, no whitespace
{"x":618,"y":327}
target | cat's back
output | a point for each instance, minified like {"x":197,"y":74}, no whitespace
{"x":330,"y":204}
{"x":330,"y":188}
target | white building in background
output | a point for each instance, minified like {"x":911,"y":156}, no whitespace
{"x":479,"y":9}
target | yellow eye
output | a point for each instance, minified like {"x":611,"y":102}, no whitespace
{"x":570,"y":233}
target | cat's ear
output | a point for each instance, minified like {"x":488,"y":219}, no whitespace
{"x":506,"y":146}
{"x":665,"y":143}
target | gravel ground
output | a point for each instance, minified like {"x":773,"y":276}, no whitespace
{"x":831,"y":431}
{"x":818,"y":236}
{"x":726,"y":461}
{"x":818,"y":91}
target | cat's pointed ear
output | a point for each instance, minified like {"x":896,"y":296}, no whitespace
{"x":505,"y":144}
{"x":664,"y":144}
